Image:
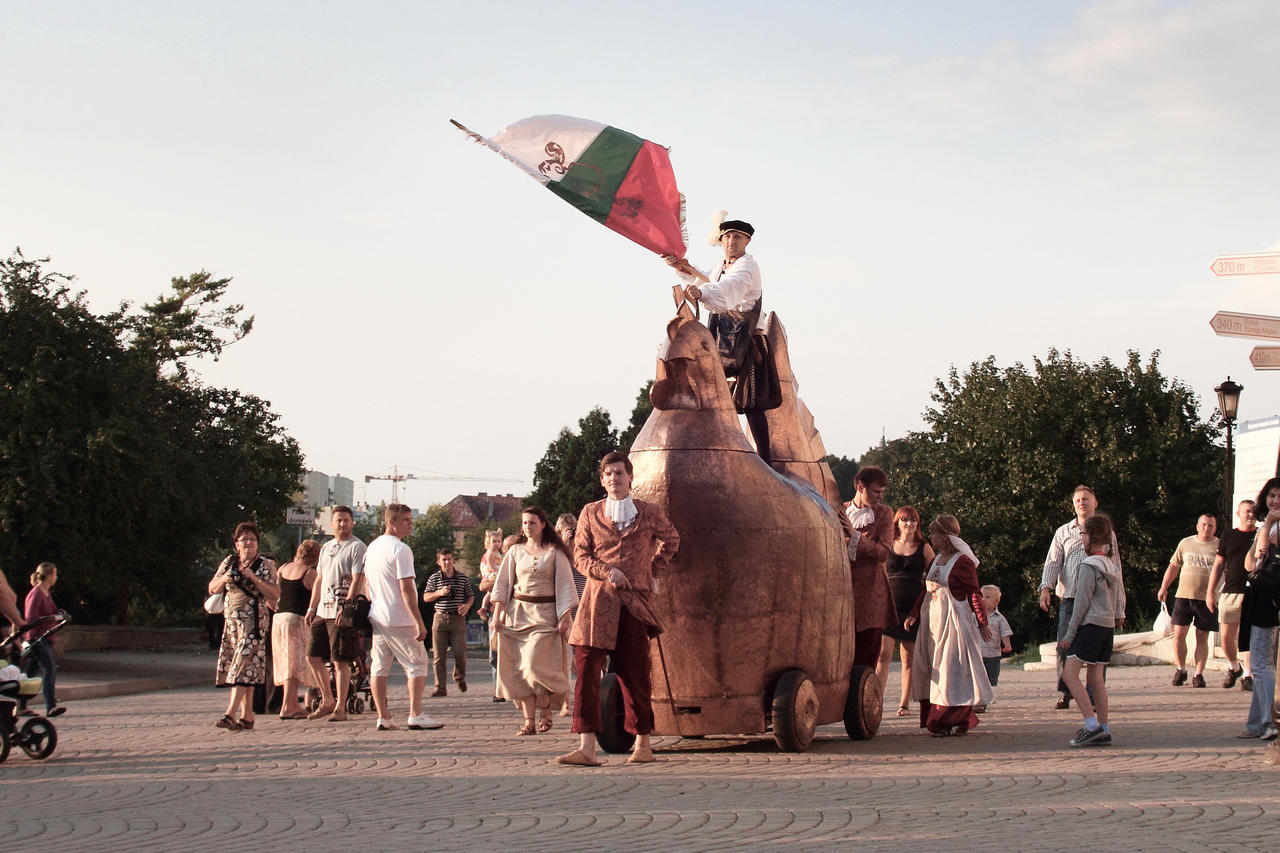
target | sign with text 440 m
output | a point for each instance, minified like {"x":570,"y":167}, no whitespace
{"x":1265,"y":358}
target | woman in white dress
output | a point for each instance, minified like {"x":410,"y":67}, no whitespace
{"x":532,"y":599}
{"x":947,"y":674}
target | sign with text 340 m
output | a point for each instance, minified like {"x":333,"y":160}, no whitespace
{"x":1232,"y":325}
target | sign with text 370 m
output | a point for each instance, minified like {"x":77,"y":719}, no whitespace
{"x":1258,"y":263}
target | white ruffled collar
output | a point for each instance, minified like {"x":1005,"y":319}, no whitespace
{"x":622,"y":512}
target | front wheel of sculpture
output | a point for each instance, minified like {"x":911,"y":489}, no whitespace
{"x":613,"y":736}
{"x":795,"y":711}
{"x":864,"y":705}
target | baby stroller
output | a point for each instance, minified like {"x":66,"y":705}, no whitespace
{"x":37,"y":737}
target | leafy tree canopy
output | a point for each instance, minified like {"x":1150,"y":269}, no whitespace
{"x":1006,"y":447}
{"x":114,"y":463}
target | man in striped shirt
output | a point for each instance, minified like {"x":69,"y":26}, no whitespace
{"x":450,"y":591}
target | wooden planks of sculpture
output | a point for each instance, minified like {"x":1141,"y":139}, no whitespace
{"x":761,"y":585}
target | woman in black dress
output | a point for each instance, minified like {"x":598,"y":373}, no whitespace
{"x":906,"y":567}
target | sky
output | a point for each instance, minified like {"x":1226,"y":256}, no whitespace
{"x":931,"y":183}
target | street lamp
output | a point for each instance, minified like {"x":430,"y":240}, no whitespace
{"x":1228,"y":405}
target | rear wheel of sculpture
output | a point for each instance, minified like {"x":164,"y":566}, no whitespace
{"x":38,"y":738}
{"x":613,"y":736}
{"x":795,"y":711}
{"x":864,"y":705}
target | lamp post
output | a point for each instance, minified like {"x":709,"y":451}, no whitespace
{"x":1228,"y":405}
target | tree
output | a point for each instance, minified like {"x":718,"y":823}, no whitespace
{"x":432,"y":531}
{"x":567,"y":477}
{"x":1005,"y":448}
{"x":473,"y":541}
{"x":114,"y":464}
{"x":639,"y":414}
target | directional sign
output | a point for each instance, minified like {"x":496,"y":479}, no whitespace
{"x":1265,"y":358}
{"x":1233,"y":325}
{"x":1256,"y":264}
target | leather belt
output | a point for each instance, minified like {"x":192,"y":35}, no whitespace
{"x":535,"y":599}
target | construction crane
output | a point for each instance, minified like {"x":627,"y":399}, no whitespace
{"x":397,"y":478}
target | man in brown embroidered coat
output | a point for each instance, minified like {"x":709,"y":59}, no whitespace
{"x":622,"y":546}
{"x":872,"y":521}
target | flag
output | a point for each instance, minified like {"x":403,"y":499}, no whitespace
{"x":615,"y":177}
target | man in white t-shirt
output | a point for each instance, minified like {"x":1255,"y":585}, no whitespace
{"x":1193,"y":560}
{"x":387,"y":578}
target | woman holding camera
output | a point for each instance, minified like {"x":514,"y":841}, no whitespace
{"x":249,"y":582}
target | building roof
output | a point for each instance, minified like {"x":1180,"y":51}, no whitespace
{"x":467,"y":512}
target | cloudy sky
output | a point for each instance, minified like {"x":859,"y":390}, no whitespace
{"x":931,"y":183}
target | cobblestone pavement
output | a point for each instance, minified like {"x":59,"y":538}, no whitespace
{"x":150,"y":772}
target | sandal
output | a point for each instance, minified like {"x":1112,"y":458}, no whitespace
{"x":903,"y":710}
{"x":227,"y":722}
{"x":544,"y":721}
{"x":528,"y":728}
{"x":245,"y":725}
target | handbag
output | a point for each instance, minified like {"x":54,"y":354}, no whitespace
{"x":355,"y":615}
{"x":1163,"y":626}
{"x":215,"y":603}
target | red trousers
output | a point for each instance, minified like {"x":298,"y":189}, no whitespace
{"x":866,"y":646}
{"x":631,"y":664}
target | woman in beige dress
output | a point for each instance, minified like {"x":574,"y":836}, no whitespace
{"x":532,"y":598}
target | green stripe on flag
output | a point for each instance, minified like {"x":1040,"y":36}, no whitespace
{"x":594,"y":178}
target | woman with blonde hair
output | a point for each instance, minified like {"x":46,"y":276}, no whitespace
{"x":40,"y":603}
{"x":289,"y":632}
{"x":489,"y":562}
{"x":947,"y":675}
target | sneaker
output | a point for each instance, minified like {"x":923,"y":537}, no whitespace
{"x":1246,"y":684}
{"x":1064,"y":702}
{"x":1197,"y":680}
{"x":1179,"y":677}
{"x":386,"y":725}
{"x":422,"y":721}
{"x":56,"y":711}
{"x":1269,"y":733}
{"x":1233,"y":675}
{"x":498,"y":699}
{"x":1085,"y":736}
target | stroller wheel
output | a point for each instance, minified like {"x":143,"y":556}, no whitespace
{"x":38,"y":738}
{"x":313,"y":699}
{"x":358,"y":705}
{"x":4,"y":744}
{"x":351,"y":705}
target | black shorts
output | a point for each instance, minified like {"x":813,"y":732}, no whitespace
{"x":1188,"y":610}
{"x":330,"y":643}
{"x":1092,"y":644}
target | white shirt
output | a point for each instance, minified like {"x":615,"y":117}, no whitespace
{"x":732,"y":287}
{"x":386,"y":562}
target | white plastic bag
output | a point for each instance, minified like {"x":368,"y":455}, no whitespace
{"x":1163,"y":626}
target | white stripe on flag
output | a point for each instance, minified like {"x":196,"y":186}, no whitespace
{"x":527,"y":143}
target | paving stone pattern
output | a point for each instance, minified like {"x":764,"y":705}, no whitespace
{"x":150,"y":772}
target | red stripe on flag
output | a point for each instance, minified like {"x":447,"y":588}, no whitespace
{"x":646,"y":207}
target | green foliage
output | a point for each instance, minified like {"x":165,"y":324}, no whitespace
{"x":639,"y":414}
{"x":114,"y":464}
{"x":432,"y":531}
{"x":567,"y":477}
{"x":1006,"y":447}
{"x":473,"y":540}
